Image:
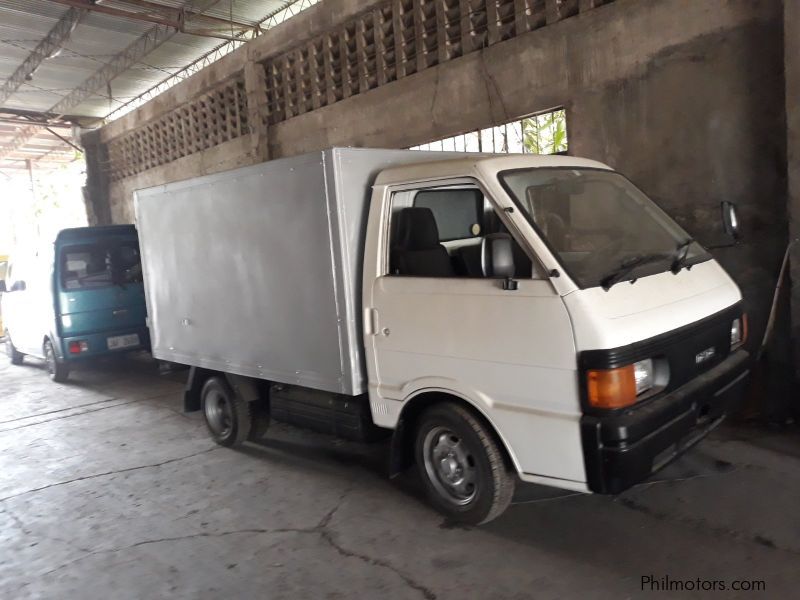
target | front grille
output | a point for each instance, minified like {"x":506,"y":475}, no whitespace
{"x":679,"y":348}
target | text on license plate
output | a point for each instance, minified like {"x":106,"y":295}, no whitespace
{"x":117,"y":342}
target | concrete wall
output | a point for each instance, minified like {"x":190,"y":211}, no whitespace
{"x":684,"y":96}
{"x":703,"y":123}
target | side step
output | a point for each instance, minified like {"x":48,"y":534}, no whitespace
{"x":347,"y":417}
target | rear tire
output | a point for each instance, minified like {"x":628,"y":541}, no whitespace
{"x":58,"y":370}
{"x":14,"y":355}
{"x":228,"y":417}
{"x":462,"y":466}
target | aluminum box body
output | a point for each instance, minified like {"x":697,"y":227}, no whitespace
{"x":257,"y":271}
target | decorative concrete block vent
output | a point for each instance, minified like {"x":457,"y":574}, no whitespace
{"x":390,"y":41}
{"x":394,"y":40}
{"x":209,"y":120}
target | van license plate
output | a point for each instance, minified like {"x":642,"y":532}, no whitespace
{"x":118,"y":342}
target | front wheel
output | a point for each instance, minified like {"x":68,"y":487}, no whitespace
{"x":14,"y":355}
{"x":462,"y":466}
{"x":58,"y":370}
{"x":228,"y":417}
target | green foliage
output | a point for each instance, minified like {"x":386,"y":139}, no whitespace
{"x":545,"y":133}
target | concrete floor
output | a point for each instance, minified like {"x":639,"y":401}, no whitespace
{"x":108,"y":490}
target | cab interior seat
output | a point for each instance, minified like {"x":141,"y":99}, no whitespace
{"x":467,"y":258}
{"x":418,"y":252}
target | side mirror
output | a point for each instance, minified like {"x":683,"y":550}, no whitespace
{"x":19,"y":286}
{"x":497,"y":259}
{"x":3,"y":286}
{"x":730,"y":219}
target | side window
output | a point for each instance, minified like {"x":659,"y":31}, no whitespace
{"x":438,"y":232}
{"x":458,"y":213}
{"x":15,"y":279}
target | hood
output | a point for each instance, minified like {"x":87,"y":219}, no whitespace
{"x":652,"y":305}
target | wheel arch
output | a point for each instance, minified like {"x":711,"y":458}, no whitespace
{"x":249,"y":388}
{"x":56,"y":342}
{"x":402,"y":443}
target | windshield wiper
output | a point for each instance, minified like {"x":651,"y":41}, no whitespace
{"x":681,"y":252}
{"x":628,"y":265}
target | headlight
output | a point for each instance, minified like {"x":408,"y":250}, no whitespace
{"x":738,"y":332}
{"x":618,"y":388}
{"x":643,"y":374}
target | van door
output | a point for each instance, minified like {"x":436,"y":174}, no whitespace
{"x":438,"y":324}
{"x":28,"y":309}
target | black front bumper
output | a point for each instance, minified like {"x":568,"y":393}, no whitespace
{"x":625,"y":448}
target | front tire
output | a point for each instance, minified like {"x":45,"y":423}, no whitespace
{"x":461,"y":464}
{"x":228,"y":417}
{"x":14,"y":355}
{"x":58,"y":370}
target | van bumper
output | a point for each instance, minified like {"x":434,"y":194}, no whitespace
{"x":98,"y":343}
{"x":622,"y":449}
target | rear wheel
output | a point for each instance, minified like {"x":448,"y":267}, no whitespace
{"x":58,"y":370}
{"x":228,"y":416}
{"x":462,"y":466}
{"x":13,"y":354}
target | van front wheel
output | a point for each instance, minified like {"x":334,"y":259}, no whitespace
{"x":14,"y":355}
{"x":461,"y":464}
{"x":58,"y":371}
{"x":228,"y":416}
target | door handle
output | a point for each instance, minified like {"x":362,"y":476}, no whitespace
{"x":370,"y":321}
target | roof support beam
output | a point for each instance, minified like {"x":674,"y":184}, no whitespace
{"x":133,"y":54}
{"x":180,"y":19}
{"x":26,"y":122}
{"x":54,"y":39}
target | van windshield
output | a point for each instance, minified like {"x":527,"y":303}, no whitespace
{"x":601,"y":227}
{"x":93,"y":266}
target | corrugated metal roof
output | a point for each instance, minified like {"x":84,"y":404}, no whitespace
{"x":96,"y":40}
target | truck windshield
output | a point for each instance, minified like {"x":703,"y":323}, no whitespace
{"x":601,"y":227}
{"x":93,"y":266}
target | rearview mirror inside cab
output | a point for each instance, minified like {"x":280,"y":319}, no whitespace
{"x":730,"y":219}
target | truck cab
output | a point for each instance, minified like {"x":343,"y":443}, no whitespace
{"x":81,"y":299}
{"x":551,"y":299}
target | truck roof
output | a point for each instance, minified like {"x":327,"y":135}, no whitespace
{"x":476,"y":162}
{"x":83,"y":233}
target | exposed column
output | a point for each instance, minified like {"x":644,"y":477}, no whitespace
{"x":792,"y":70}
{"x":255,"y":83}
{"x":96,"y":192}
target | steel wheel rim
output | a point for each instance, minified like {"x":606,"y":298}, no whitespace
{"x":450,"y":466}
{"x":219,"y":415}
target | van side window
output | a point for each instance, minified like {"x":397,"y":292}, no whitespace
{"x":438,"y":232}
{"x":16,"y":277}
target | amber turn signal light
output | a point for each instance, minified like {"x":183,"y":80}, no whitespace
{"x":611,"y":388}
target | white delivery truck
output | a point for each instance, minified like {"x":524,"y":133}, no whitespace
{"x":501,"y":317}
